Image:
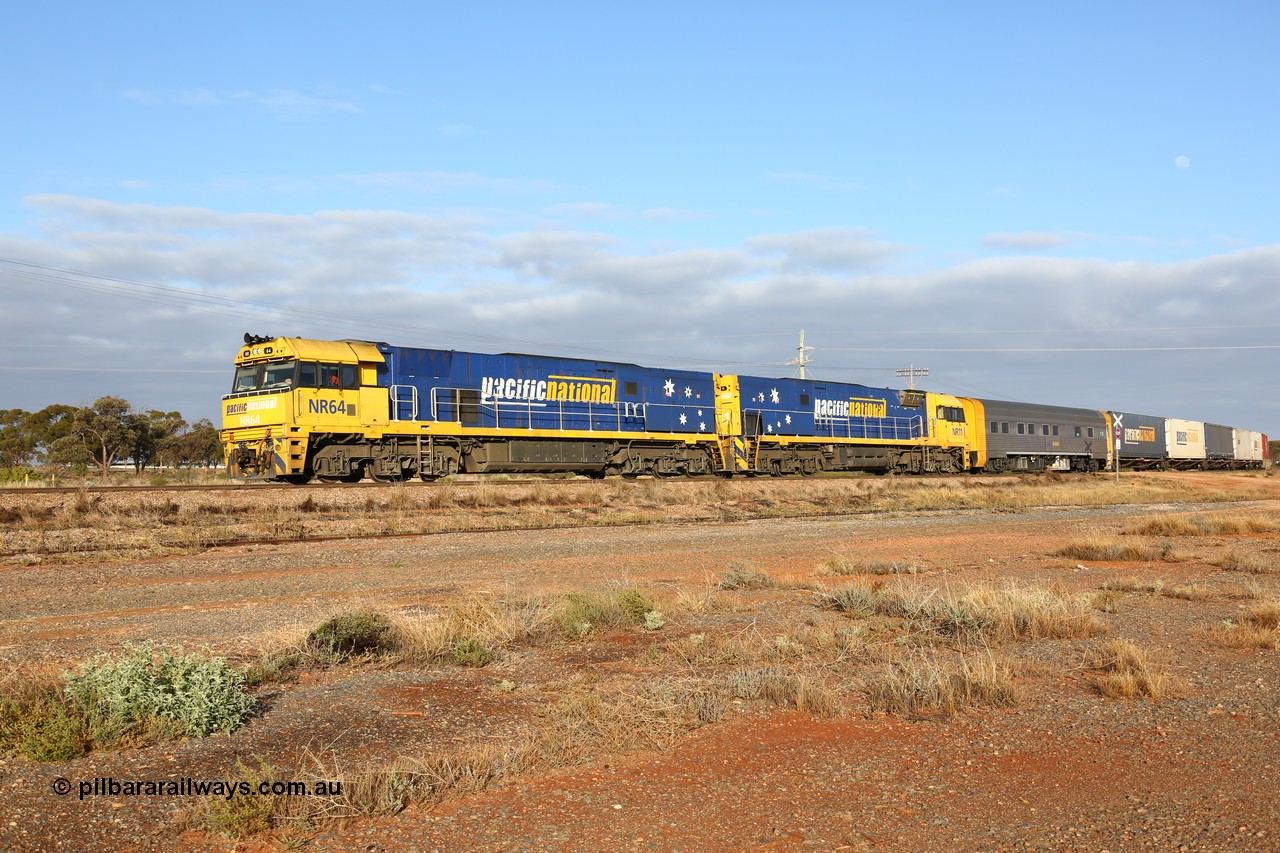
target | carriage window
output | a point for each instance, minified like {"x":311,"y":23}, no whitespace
{"x":1044,"y":429}
{"x":1004,"y":427}
{"x":1021,"y":428}
{"x":995,"y":426}
{"x":1090,"y":432}
{"x":1055,"y":429}
{"x":1077,"y":432}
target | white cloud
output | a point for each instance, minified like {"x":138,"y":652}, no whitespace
{"x":827,"y":249}
{"x":282,"y":103}
{"x":440,"y":181}
{"x":1031,"y":241}
{"x":192,"y":280}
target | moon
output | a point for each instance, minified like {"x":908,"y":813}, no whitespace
{"x":1182,"y":161}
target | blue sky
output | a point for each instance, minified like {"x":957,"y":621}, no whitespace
{"x":663,"y":183}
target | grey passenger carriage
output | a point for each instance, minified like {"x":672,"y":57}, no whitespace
{"x":1033,"y":437}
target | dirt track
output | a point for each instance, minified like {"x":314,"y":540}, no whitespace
{"x":1066,"y":768}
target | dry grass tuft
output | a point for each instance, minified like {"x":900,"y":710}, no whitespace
{"x":1190,"y":592}
{"x":1217,"y":524}
{"x":1257,"y":628}
{"x":1127,"y":671}
{"x":784,"y":689}
{"x":839,"y":567}
{"x":1109,"y":549}
{"x":983,"y":613}
{"x":1132,"y":584}
{"x":928,"y":687}
{"x":1239,"y":561}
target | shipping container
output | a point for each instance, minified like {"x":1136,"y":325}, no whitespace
{"x":1248,"y":445}
{"x":1219,"y":442}
{"x":1185,"y":439}
{"x":1141,"y":437}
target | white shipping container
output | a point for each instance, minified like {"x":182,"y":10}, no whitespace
{"x":1248,"y":445}
{"x":1185,"y":439}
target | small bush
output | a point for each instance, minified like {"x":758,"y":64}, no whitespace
{"x":42,"y":725}
{"x":470,"y":652}
{"x":241,"y":814}
{"x":578,"y":614}
{"x":149,"y":690}
{"x":743,"y":575}
{"x":349,"y":634}
{"x":634,"y":605}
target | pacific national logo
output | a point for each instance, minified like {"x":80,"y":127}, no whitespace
{"x":856,"y":407}
{"x":568,"y":389}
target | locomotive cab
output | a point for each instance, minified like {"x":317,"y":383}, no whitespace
{"x":287,"y":390}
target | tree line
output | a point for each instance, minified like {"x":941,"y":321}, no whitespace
{"x":108,"y":432}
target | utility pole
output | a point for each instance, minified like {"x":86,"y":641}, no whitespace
{"x":911,"y":373}
{"x":803,"y":358}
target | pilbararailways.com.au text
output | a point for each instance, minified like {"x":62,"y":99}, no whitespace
{"x":188,"y":787}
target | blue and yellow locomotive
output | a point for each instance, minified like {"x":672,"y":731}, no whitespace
{"x":341,"y":410}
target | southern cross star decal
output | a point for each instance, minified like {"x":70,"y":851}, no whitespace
{"x":773,"y":395}
{"x":669,"y":388}
{"x":683,"y":420}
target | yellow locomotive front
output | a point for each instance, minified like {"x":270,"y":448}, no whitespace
{"x":287,"y":390}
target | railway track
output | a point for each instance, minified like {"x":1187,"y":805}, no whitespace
{"x":270,"y":487}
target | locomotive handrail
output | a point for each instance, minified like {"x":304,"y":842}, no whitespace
{"x":257,"y":392}
{"x":447,"y":402}
{"x":397,"y":401}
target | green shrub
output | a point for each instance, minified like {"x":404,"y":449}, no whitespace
{"x":152,"y":689}
{"x":470,"y":652}
{"x":349,"y":634}
{"x":578,"y":614}
{"x":41,"y":726}
{"x":634,"y":604}
{"x":243,"y":814}
{"x":743,"y":575}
